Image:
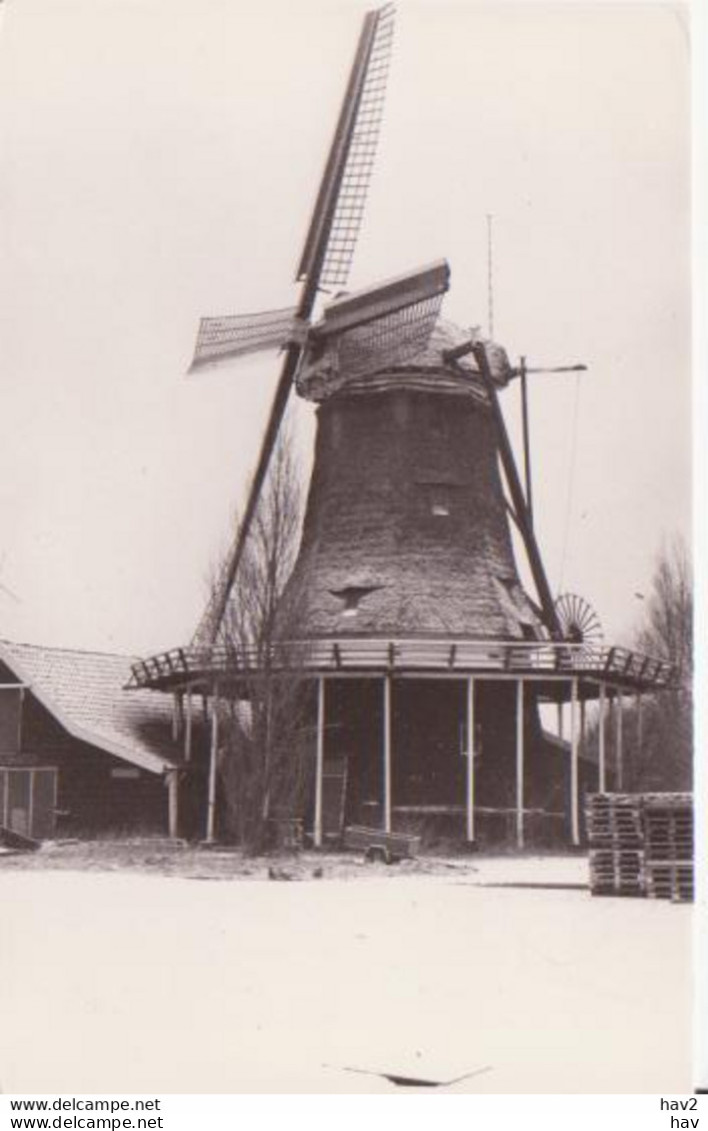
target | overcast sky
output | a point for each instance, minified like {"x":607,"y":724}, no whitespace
{"x":158,"y":161}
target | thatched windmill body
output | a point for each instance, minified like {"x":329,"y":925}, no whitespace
{"x":406,"y":557}
{"x":428,"y":656}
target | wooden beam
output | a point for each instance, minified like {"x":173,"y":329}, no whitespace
{"x":602,"y":784}
{"x":319,"y":761}
{"x":30,"y":808}
{"x":512,"y":515}
{"x":20,"y":718}
{"x":173,"y":803}
{"x":517,"y":495}
{"x":574,"y":808}
{"x":213,"y":758}
{"x":175,"y":715}
{"x":188,"y":727}
{"x":387,"y":753}
{"x":520,"y":764}
{"x":619,"y":754}
{"x":470,"y":759}
{"x":527,"y":441}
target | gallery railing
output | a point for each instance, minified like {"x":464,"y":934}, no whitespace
{"x":616,"y":665}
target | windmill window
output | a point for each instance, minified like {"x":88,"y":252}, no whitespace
{"x":440,"y":500}
{"x":436,"y":496}
{"x":351,"y":596}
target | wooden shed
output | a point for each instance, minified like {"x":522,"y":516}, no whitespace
{"x":79,"y":755}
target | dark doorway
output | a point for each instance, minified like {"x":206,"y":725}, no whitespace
{"x":429,"y":766}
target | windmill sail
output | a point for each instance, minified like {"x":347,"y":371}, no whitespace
{"x":387,"y":324}
{"x":392,"y":295}
{"x":393,"y":339}
{"x":401,"y":307}
{"x":235,"y":335}
{"x":335,"y":223}
{"x":339,"y":209}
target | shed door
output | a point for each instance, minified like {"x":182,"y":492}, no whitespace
{"x":18,"y":801}
{"x":44,"y":799}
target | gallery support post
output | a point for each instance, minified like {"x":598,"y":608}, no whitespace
{"x":319,"y":761}
{"x":470,"y":760}
{"x":520,"y":764}
{"x":213,"y":759}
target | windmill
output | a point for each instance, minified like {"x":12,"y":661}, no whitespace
{"x":406,"y":566}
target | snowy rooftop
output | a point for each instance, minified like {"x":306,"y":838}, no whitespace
{"x":84,"y":692}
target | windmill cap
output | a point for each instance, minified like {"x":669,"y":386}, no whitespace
{"x":355,"y":363}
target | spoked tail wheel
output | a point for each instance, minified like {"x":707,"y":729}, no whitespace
{"x":580,"y":624}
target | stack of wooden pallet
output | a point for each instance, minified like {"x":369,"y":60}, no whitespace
{"x":616,"y":837}
{"x":668,"y":845}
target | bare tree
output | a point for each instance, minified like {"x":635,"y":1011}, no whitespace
{"x":667,"y":631}
{"x":663,"y":759}
{"x":267,"y":741}
{"x":658,"y":731}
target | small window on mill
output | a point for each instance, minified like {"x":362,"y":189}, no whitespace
{"x":436,"y":495}
{"x":351,"y":596}
{"x":351,"y":606}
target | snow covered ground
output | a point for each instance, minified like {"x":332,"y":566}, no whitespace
{"x":142,"y":983}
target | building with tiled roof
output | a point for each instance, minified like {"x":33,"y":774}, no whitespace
{"x":79,"y":754}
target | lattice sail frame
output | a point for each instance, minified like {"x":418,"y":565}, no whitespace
{"x":392,"y":340}
{"x":354,"y":185}
{"x":235,"y":335}
{"x":365,"y":331}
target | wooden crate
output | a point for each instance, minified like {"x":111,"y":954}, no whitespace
{"x":641,"y":844}
{"x":616,"y":838}
{"x":669,"y":846}
{"x":616,"y":872}
{"x":668,"y":826}
{"x":614,"y":820}
{"x":669,"y":880}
